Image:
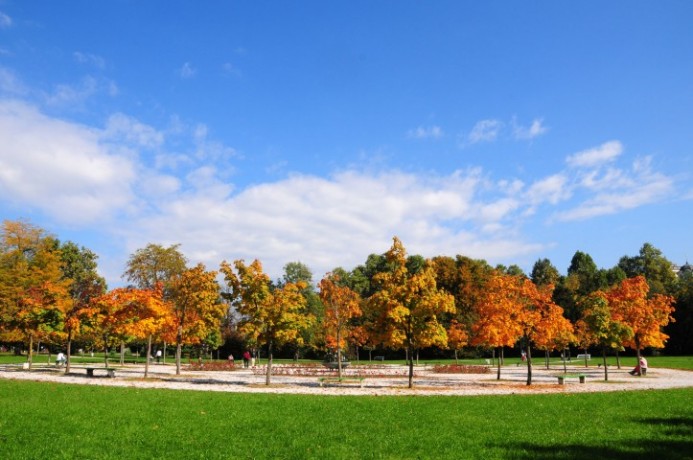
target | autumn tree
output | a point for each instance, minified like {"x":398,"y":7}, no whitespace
{"x":645,"y":315}
{"x":33,"y":292}
{"x":107,"y":317}
{"x":497,"y":315}
{"x":270,"y":315}
{"x":197,"y":308}
{"x":408,"y":305}
{"x":341,"y":306}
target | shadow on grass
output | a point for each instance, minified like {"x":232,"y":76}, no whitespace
{"x":680,"y":447}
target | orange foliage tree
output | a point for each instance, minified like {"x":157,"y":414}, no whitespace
{"x":645,"y":315}
{"x":408,"y":306}
{"x":497,"y":314}
{"x":341,"y":306}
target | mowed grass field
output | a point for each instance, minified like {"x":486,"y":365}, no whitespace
{"x":63,"y":421}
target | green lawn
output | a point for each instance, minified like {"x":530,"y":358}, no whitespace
{"x":62,"y":421}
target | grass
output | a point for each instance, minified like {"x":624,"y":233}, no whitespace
{"x":62,"y":421}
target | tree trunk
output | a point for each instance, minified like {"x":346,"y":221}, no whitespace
{"x":30,"y":357}
{"x":606,"y":368}
{"x":586,"y":357}
{"x":163,"y":360}
{"x":529,"y":364}
{"x":410,"y":352}
{"x":618,"y":360}
{"x":499,"y":366}
{"x":501,"y":356}
{"x":69,"y":352}
{"x":565,"y":363}
{"x":547,"y":359}
{"x":179,"y":348}
{"x":122,"y":352}
{"x":339,"y":354}
{"x":268,"y":374}
{"x":456,"y":360}
{"x":149,"y":352}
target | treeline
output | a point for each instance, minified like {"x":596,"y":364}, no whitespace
{"x":50,"y":291}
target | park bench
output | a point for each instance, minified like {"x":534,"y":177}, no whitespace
{"x":327,"y":380}
{"x":378,"y":358}
{"x":110,"y":372}
{"x":583,"y":356}
{"x":561,"y":378}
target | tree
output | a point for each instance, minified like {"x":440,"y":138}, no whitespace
{"x":197,"y":308}
{"x":457,"y":337}
{"x":604,"y":330}
{"x":155,"y":264}
{"x":297,"y":272}
{"x":497,"y":323}
{"x":544,"y":273}
{"x":78,"y":266}
{"x":651,"y":264}
{"x":646,"y":316}
{"x":408,"y":306}
{"x":33,"y":292}
{"x":268,"y":316}
{"x":341,"y":306}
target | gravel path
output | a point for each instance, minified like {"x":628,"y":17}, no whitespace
{"x":390,"y":381}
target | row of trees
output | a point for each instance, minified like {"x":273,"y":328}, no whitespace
{"x":51,"y":291}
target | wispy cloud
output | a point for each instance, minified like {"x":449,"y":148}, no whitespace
{"x":532,"y":131}
{"x":10,"y":83}
{"x":91,"y":59}
{"x":5,"y":21}
{"x":187,"y":71}
{"x":596,"y":156}
{"x":425,"y":132}
{"x":485,"y":131}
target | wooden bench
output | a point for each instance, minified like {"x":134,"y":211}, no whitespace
{"x":583,"y":356}
{"x":327,"y":380}
{"x":561,"y":378}
{"x":110,"y":372}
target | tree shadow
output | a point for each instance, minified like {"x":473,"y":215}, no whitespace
{"x":680,"y":447}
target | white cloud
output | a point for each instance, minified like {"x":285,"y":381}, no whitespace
{"x":5,"y":21}
{"x":422,"y":132}
{"x":60,"y":168}
{"x":485,"y":131}
{"x":552,"y":189}
{"x":596,"y":156}
{"x":536,"y":129}
{"x":187,"y":71}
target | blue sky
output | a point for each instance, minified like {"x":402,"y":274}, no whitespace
{"x":316,"y":131}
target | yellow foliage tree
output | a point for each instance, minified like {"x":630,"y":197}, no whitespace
{"x":408,"y":306}
{"x":269,"y":316}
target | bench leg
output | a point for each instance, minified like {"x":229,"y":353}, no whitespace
{"x":90,"y":372}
